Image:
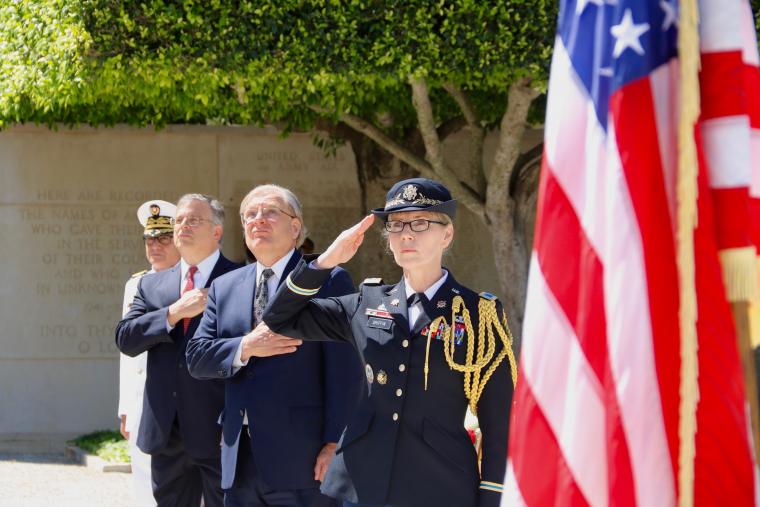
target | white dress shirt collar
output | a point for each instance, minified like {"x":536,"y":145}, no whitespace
{"x":430,"y":292}
{"x":205,"y":267}
{"x":278,"y":267}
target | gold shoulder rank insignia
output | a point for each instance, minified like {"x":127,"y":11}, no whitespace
{"x":139,"y":273}
{"x":372,"y":281}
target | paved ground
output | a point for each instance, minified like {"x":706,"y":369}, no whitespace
{"x":33,"y":480}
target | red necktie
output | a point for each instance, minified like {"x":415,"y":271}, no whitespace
{"x":189,"y":285}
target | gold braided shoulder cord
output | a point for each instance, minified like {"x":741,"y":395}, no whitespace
{"x":488,"y":325}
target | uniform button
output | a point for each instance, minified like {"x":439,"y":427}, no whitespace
{"x":395,"y":416}
{"x":401,"y":367}
{"x":405,"y":343}
{"x":399,"y":392}
{"x":174,"y":393}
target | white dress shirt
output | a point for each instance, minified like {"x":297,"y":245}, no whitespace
{"x":205,"y":267}
{"x":415,"y":310}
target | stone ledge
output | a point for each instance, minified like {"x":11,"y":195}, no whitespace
{"x":83,"y":458}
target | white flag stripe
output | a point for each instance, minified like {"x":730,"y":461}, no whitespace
{"x":566,"y":104}
{"x":629,"y":338}
{"x":511,"y":496}
{"x":726,"y":147}
{"x":718,"y":25}
{"x":566,"y":389}
{"x":754,"y":189}
{"x":666,"y":96}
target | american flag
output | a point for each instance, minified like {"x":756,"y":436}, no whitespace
{"x":596,"y":414}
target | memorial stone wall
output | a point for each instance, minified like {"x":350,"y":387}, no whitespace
{"x":70,"y":240}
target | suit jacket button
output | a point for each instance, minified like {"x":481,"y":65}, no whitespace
{"x":401,"y":367}
{"x":405,"y":343}
{"x":395,"y":416}
{"x":399,"y":392}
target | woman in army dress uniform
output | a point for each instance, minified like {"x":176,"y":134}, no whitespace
{"x":431,"y":347}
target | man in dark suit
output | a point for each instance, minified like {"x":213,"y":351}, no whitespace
{"x":286,"y":402}
{"x":179,"y":427}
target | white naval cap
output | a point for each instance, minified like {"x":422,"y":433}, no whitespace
{"x":157,"y":217}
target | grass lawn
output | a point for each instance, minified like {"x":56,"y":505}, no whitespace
{"x":108,"y":445}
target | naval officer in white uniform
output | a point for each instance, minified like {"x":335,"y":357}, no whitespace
{"x":157,"y":218}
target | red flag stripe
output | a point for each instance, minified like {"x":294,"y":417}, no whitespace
{"x":752,"y":85}
{"x":566,"y":389}
{"x":574,"y":274}
{"x":541,"y":471}
{"x":721,"y":81}
{"x":643,"y":173}
{"x":723,"y":467}
{"x":733,"y":213}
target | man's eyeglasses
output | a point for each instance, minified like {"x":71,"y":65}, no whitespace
{"x":190,"y":221}
{"x":269,"y":213}
{"x":417,"y":225}
{"x":163,"y":240}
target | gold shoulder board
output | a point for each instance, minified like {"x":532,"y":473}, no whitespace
{"x":139,"y":273}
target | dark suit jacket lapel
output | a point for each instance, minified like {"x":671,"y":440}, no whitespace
{"x":248,"y":292}
{"x":397,"y":294}
{"x":219,"y":269}
{"x":292,"y":263}
{"x":172,"y":286}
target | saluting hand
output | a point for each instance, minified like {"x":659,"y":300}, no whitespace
{"x":345,"y":245}
{"x":263,"y":342}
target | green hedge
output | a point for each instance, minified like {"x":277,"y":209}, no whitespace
{"x":108,"y":445}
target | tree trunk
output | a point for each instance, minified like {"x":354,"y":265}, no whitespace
{"x":512,"y":237}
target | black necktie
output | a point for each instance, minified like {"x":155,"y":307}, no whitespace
{"x":417,"y":297}
{"x":262,"y":296}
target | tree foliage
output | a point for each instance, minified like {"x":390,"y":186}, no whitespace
{"x":403,"y":73}
{"x":243,"y":62}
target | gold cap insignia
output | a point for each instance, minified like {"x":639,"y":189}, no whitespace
{"x":156,"y":217}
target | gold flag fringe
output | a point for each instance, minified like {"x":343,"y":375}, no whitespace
{"x":688,"y":51}
{"x":739,"y":273}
